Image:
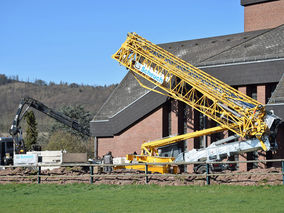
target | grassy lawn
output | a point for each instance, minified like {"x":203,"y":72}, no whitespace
{"x":34,"y":198}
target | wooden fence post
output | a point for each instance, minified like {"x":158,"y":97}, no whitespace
{"x":207,"y":174}
{"x":282,"y":162}
{"x":91,"y":174}
{"x":38,"y":175}
{"x":146,"y":173}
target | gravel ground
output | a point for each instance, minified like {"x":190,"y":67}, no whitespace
{"x":122,"y":177}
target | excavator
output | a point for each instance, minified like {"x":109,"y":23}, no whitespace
{"x":16,"y":131}
{"x":253,"y":126}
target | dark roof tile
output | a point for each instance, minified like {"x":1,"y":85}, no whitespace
{"x":278,"y":94}
{"x":127,"y":92}
{"x":265,"y":45}
{"x":198,"y":50}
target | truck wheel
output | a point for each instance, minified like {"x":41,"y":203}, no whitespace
{"x":201,"y":170}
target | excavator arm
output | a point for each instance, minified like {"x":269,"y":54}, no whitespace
{"x":15,"y":130}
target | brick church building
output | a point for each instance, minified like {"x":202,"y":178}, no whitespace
{"x":251,"y":61}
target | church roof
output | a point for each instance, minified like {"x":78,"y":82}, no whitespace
{"x":255,"y":57}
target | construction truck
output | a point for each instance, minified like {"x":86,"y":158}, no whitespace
{"x":6,"y":150}
{"x":254,"y":127}
{"x":16,"y":130}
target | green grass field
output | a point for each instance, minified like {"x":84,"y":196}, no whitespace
{"x":34,"y":198}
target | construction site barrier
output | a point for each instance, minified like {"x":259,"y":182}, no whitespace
{"x":207,"y":175}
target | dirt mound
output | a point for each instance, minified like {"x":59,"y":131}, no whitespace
{"x":64,"y":175}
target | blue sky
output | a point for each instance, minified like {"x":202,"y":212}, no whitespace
{"x":72,"y":41}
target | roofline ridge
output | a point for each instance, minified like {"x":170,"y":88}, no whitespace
{"x":239,"y":44}
{"x":201,"y":66}
{"x":211,"y":37}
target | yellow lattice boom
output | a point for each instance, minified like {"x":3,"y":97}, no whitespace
{"x":180,"y":80}
{"x":151,"y":147}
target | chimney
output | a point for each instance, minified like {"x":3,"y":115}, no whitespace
{"x":262,"y":14}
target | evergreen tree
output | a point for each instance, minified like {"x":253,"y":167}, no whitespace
{"x":32,"y":132}
{"x":77,"y":113}
{"x":63,"y":137}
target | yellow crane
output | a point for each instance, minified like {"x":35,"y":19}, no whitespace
{"x":180,"y":80}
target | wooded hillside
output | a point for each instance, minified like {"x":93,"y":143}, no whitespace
{"x":51,"y":94}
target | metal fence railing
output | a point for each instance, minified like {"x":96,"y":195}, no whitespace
{"x":37,"y":175}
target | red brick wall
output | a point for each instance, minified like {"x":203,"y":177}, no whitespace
{"x":261,"y":97}
{"x":149,"y":128}
{"x":174,"y":117}
{"x":264,"y":16}
{"x":190,"y":128}
{"x":261,"y":93}
{"x":105,"y":145}
{"x":243,"y":157}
